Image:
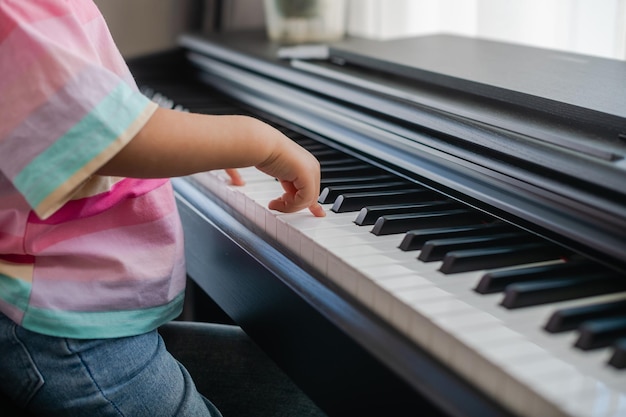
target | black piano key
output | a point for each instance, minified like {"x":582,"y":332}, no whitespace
{"x":197,"y":104}
{"x":497,"y":281}
{"x":300,"y":139}
{"x":329,"y":182}
{"x":415,"y":239}
{"x":368,"y":215}
{"x":550,"y":291}
{"x":325,"y":163}
{"x":402,"y":223}
{"x":326,"y":155}
{"x":213,"y":110}
{"x":329,"y":155}
{"x":490,"y":258}
{"x":436,"y":250}
{"x":618,"y":358}
{"x":349,"y":170}
{"x":315,"y":147}
{"x":570,"y":318}
{"x":600,"y":333}
{"x":330,"y":194}
{"x":356,"y":201}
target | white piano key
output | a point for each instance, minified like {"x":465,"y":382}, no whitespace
{"x":374,"y":292}
{"x":259,"y":217}
{"x":596,"y":400}
{"x":307,"y":250}
{"x":453,"y":319}
{"x":453,"y":310}
{"x":342,"y":273}
{"x":520,"y":398}
{"x":320,"y":259}
{"x":386,"y":301}
{"x":212,"y":182}
{"x":473,"y":341}
{"x":282,"y":232}
{"x":529,"y":380}
{"x":232,"y":197}
{"x":420,"y":326}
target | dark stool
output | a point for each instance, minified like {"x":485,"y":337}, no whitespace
{"x":9,"y":409}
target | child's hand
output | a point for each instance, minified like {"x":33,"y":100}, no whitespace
{"x":235,"y":176}
{"x":299,"y":174}
{"x":293,"y":199}
{"x":174,"y":143}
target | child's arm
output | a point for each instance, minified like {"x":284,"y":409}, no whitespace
{"x":174,"y":143}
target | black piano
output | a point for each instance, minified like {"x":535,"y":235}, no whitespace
{"x":473,"y":259}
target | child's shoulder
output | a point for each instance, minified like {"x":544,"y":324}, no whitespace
{"x":28,"y":12}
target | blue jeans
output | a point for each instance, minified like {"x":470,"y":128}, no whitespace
{"x":130,"y":376}
{"x":136,"y":376}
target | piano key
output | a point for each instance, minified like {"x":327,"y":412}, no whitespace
{"x":328,"y":155}
{"x":618,"y":358}
{"x":491,"y":258}
{"x":436,"y":250}
{"x":496,"y":281}
{"x":470,"y":356}
{"x":352,"y":170}
{"x":401,"y":223}
{"x":553,"y":290}
{"x":595,"y":399}
{"x":504,"y":365}
{"x":329,"y":182}
{"x":368,"y":215}
{"x":601,"y":332}
{"x":315,"y":148}
{"x":356,"y":201}
{"x":415,"y":239}
{"x":329,"y":194}
{"x":340,"y":161}
{"x":327,"y":240}
{"x":570,"y":318}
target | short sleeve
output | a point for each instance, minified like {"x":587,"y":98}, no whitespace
{"x":68,"y":101}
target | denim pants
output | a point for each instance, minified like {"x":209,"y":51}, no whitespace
{"x":129,"y":376}
{"x":136,"y":376}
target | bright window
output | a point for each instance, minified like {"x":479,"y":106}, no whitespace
{"x":590,"y":27}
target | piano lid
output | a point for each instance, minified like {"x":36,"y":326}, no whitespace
{"x":570,"y":102}
{"x":575,"y":84}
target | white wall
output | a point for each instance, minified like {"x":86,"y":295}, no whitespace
{"x":144,"y":26}
{"x":386,"y":19}
{"x":595,"y":27}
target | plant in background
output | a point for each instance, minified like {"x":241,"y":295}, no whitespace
{"x":298,"y":8}
{"x":300,"y":21}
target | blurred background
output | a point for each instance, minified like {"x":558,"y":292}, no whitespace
{"x":593,"y":27}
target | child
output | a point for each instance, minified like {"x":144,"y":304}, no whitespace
{"x":91,"y":256}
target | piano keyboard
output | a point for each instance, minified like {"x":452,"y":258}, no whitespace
{"x":536,"y":327}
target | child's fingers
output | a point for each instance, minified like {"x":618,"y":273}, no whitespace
{"x":294,"y":200}
{"x":317,"y":210}
{"x":235,"y":176}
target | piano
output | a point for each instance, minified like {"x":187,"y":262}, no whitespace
{"x":473,"y":258}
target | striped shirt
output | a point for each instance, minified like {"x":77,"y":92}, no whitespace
{"x":81,"y":255}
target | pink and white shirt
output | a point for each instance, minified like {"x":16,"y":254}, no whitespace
{"x":81,"y":255}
